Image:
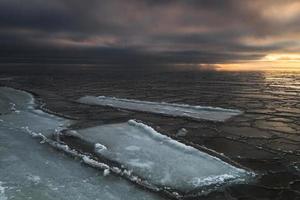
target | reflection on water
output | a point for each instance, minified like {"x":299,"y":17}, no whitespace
{"x":289,"y":80}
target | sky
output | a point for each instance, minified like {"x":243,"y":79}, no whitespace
{"x":191,"y":34}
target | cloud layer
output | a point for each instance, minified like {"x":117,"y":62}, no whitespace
{"x":147,"y":32}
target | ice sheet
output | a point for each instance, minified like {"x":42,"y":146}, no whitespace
{"x":30,"y":170}
{"x":17,"y":111}
{"x":170,"y":109}
{"x":12,"y":101}
{"x":158,"y":159}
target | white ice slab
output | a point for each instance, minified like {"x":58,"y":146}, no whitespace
{"x":158,"y":159}
{"x":30,"y":170}
{"x":169,"y":109}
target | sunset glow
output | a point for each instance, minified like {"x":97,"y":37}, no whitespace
{"x":270,"y":62}
{"x":145,"y":34}
{"x":282,"y":58}
{"x":260,"y":66}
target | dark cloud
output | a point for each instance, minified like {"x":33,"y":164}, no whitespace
{"x":146,"y":32}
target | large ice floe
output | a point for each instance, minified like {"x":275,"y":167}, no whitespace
{"x":169,"y":109}
{"x":30,"y":170}
{"x":159,"y":160}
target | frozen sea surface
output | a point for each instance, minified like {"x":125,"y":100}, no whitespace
{"x":159,"y":159}
{"x":30,"y":170}
{"x":170,"y":109}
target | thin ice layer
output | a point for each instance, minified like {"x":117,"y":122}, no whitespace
{"x":158,"y":159}
{"x":30,"y":170}
{"x":170,"y":109}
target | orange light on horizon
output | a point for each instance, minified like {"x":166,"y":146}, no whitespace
{"x":270,"y":62}
{"x":282,"y":57}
